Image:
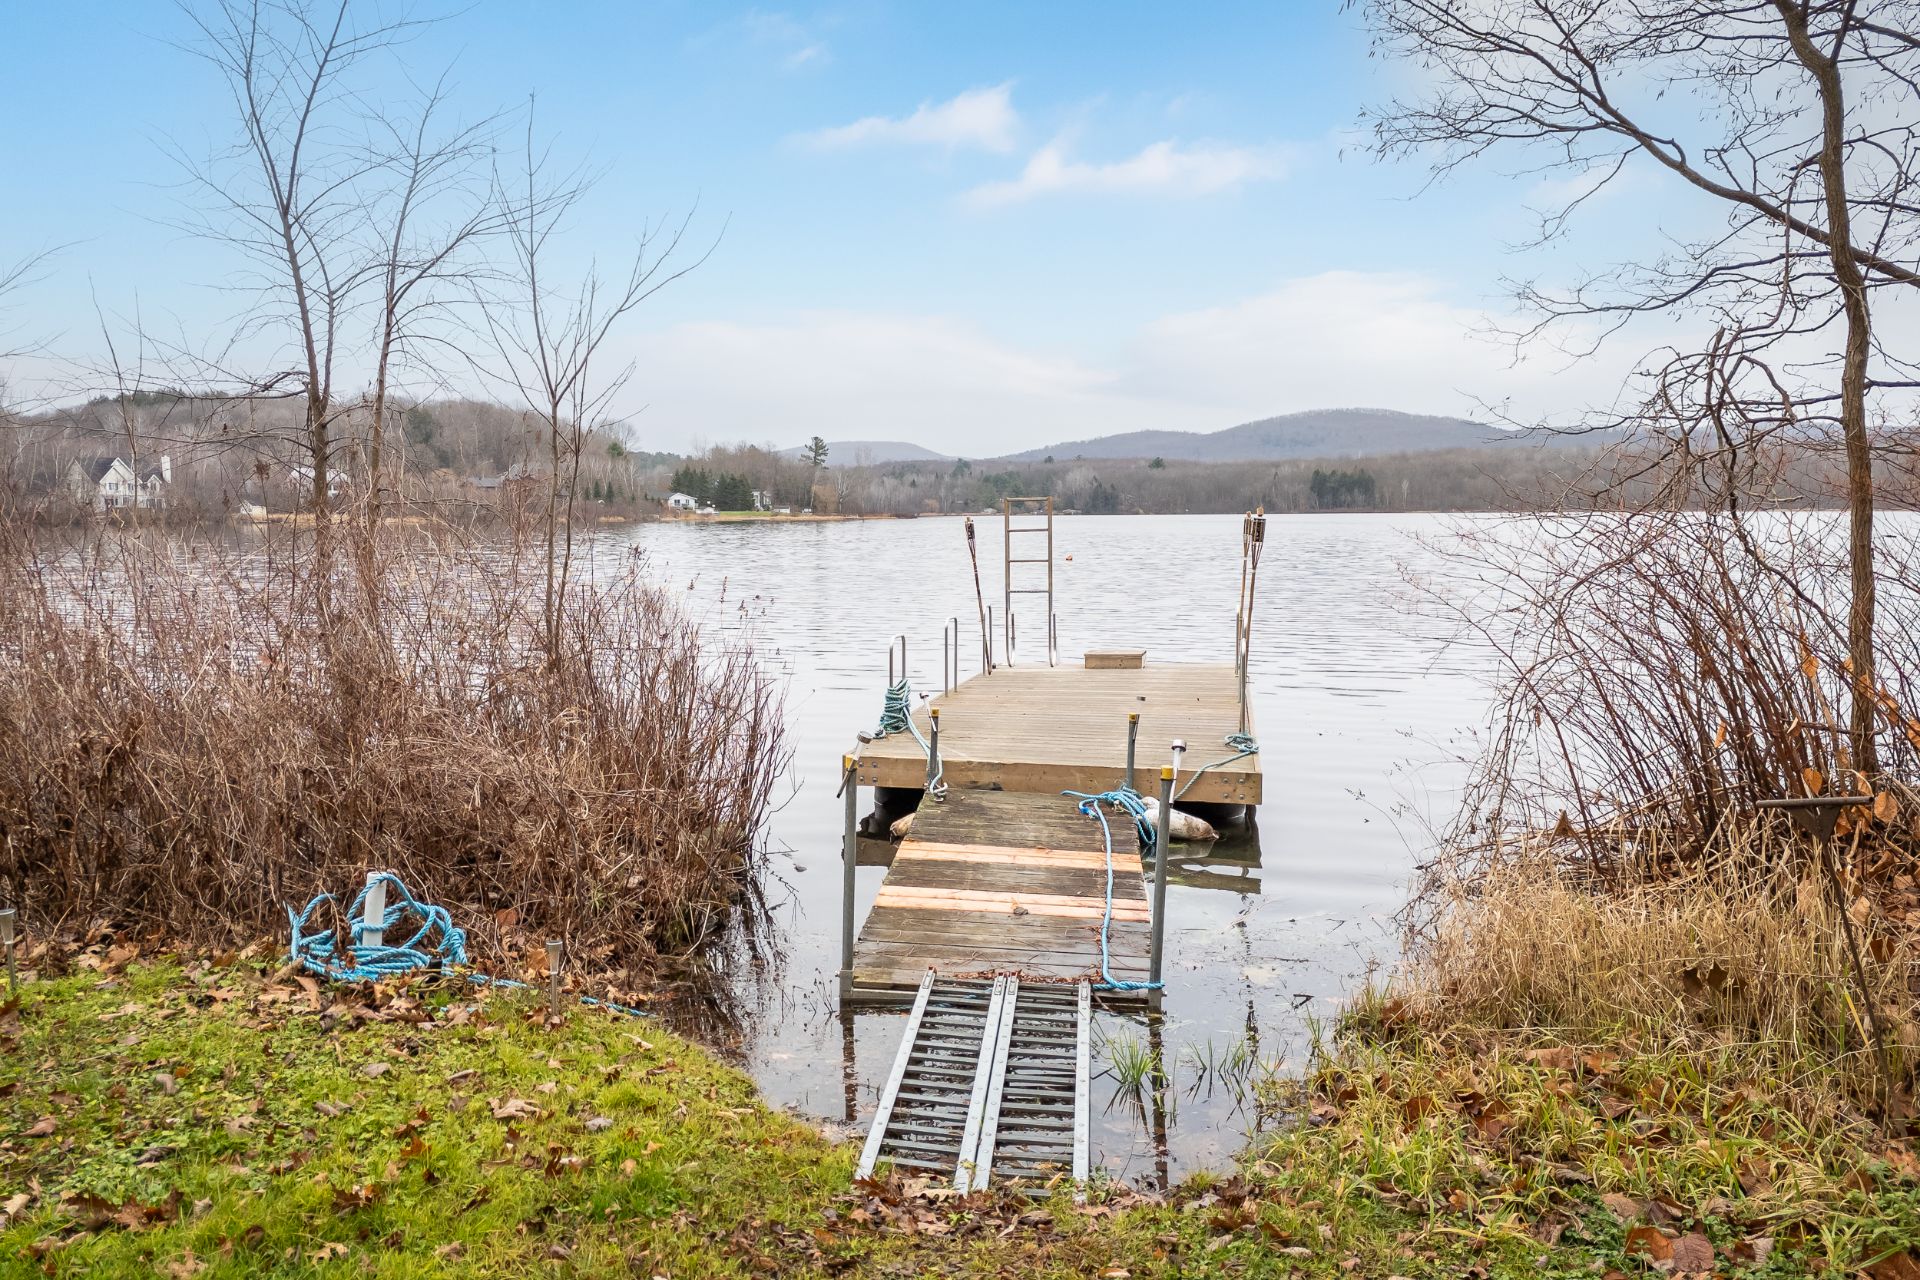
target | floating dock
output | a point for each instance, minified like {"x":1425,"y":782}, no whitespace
{"x":1065,"y":728}
{"x":991,"y":883}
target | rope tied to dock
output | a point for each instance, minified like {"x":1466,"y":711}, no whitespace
{"x":1243,"y":746}
{"x":438,"y":944}
{"x":896,"y":716}
{"x":1128,"y":801}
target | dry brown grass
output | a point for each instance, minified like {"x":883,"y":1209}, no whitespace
{"x":1709,"y":958}
{"x":189,"y":746}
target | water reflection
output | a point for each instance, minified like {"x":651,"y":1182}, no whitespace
{"x":1361,"y":709}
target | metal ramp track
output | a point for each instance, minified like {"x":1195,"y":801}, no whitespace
{"x":990,"y":1081}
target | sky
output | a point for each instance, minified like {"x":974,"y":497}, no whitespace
{"x":979,"y":228}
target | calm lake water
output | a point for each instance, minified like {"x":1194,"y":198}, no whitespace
{"x":1364,"y":710}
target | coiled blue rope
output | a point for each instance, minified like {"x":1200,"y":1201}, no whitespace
{"x":1243,"y":746}
{"x":896,"y":716}
{"x":1128,"y":801}
{"x":437,"y":944}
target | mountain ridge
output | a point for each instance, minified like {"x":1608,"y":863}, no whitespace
{"x":1314,"y":433}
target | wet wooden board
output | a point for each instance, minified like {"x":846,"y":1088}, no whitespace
{"x":1051,"y":729}
{"x":1000,"y":883}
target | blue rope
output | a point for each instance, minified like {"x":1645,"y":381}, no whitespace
{"x":436,"y":944}
{"x":1243,"y":746}
{"x":1128,"y":800}
{"x":896,"y":716}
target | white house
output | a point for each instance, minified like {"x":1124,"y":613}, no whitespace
{"x":107,"y":483}
{"x":299,"y":478}
{"x":682,"y":502}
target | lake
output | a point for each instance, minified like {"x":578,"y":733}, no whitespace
{"x":1364,"y":710}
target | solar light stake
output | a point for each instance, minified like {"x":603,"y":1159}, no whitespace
{"x":553,"y":978}
{"x":6,"y":940}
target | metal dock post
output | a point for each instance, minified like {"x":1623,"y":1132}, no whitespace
{"x":849,"y":864}
{"x":1133,"y":735}
{"x":1163,"y":847}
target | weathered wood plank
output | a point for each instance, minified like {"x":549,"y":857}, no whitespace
{"x":1076,"y":882}
{"x":916,"y":897}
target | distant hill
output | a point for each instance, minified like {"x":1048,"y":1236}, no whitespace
{"x":853,"y":453}
{"x":1320,"y":433}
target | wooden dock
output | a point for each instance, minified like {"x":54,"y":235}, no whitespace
{"x":1053,"y":729}
{"x":991,"y":883}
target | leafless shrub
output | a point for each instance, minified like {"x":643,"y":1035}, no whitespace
{"x":1663,"y":675}
{"x":190,"y":765}
{"x":1664,"y":672}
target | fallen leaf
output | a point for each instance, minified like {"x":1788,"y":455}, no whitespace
{"x":44,"y":1127}
{"x":1895,"y":1266}
{"x":1625,"y":1208}
{"x":374,"y":1070}
{"x":1693,"y":1255}
{"x":1652,"y":1242}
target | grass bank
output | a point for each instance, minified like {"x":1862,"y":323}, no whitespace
{"x":213,"y":1119}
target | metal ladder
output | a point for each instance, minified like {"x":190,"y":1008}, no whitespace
{"x":991,"y":1080}
{"x":1010,"y":508}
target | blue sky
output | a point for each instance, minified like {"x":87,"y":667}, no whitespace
{"x":977,"y":227}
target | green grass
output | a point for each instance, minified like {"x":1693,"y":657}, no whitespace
{"x":1600,"y":1147}
{"x":207,"y":1120}
{"x":241,"y":1130}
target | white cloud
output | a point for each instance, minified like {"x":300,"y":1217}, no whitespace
{"x":983,"y":118}
{"x":792,"y":41}
{"x":1389,"y":340}
{"x":1165,"y":168}
{"x":1376,"y":339}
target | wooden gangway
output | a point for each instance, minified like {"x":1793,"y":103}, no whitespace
{"x":1065,"y":728}
{"x":991,"y":883}
{"x":990,"y":1084}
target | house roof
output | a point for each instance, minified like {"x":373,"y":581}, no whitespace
{"x":95,"y":469}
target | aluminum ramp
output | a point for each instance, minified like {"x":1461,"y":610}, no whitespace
{"x":990,"y":1083}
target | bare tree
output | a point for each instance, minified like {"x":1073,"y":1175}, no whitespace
{"x":1798,"y":120}
{"x":292,"y":193}
{"x":437,"y":183}
{"x":546,"y":338}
